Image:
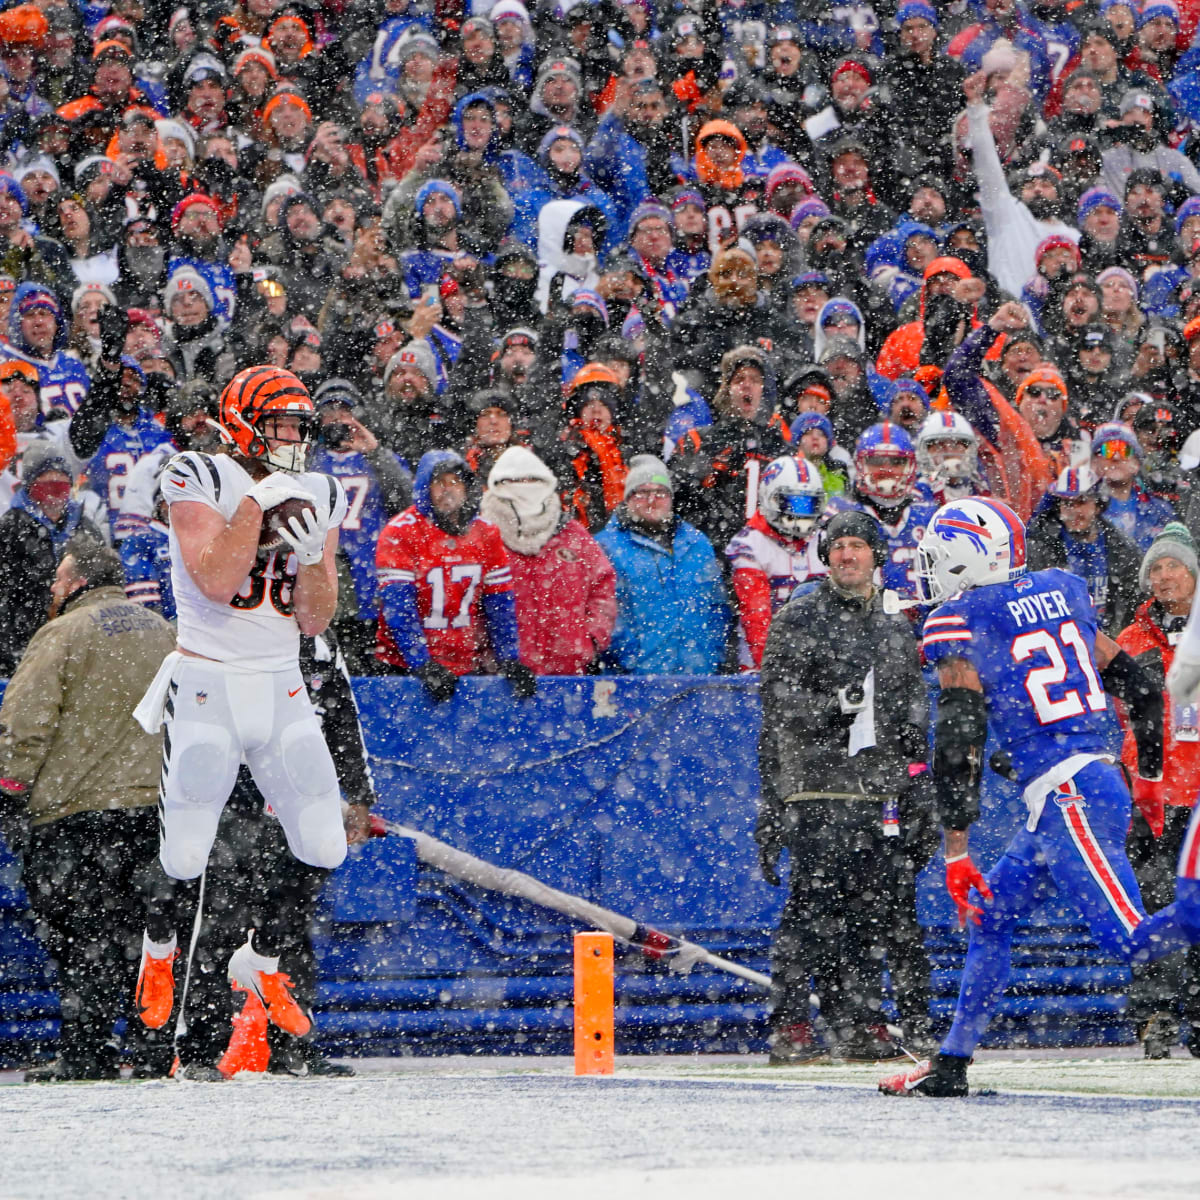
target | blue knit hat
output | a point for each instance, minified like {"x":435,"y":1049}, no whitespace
{"x":916,"y":8}
{"x":1158,"y":8}
{"x":1189,"y":208}
{"x":812,"y":420}
{"x":446,"y":188}
{"x":13,"y":188}
{"x":1094,"y":198}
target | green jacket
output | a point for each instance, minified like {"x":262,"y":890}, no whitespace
{"x":66,"y":726}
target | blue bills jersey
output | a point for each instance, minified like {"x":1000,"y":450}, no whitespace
{"x":365,"y":519}
{"x":899,"y":572}
{"x":220,"y":279}
{"x":122,"y":446}
{"x":1032,"y":643}
{"x":63,"y":379}
{"x":146,"y":557}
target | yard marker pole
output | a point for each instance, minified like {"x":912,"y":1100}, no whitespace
{"x":594,"y":1041}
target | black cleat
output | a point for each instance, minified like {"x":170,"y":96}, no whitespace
{"x":942,"y":1076}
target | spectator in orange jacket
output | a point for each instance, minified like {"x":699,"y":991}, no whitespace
{"x":901,"y":353}
{"x":566,"y":589}
{"x":1167,"y":990}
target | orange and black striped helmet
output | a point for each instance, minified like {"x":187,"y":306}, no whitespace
{"x":254,"y":395}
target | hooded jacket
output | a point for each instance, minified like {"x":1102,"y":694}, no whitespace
{"x":565,"y":586}
{"x":578,"y":271}
{"x":901,"y":353}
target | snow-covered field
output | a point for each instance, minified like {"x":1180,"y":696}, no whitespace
{"x":1053,"y":1125}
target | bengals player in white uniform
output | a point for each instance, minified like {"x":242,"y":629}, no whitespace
{"x":232,"y":692}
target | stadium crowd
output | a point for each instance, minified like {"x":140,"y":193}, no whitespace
{"x":653,"y":288}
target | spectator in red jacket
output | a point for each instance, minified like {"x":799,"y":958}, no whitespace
{"x":1167,"y":990}
{"x":566,"y":589}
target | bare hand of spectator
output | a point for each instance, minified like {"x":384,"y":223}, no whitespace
{"x":361,"y":438}
{"x":975,"y":87}
{"x":429,"y":155}
{"x":240,"y":258}
{"x":122,"y":172}
{"x":424,"y":318}
{"x":357,"y":820}
{"x":970,"y":290}
{"x":1009,"y":317}
{"x":21,"y":237}
{"x":863,"y":39}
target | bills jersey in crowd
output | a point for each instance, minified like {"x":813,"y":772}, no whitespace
{"x":902,"y":529}
{"x":257,"y":628}
{"x":767,"y":567}
{"x":63,"y":379}
{"x":452,"y":574}
{"x":365,"y":518}
{"x":1032,"y":642}
{"x":146,"y":557}
{"x":108,"y":471}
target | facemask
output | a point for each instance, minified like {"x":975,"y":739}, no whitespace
{"x":146,"y":262}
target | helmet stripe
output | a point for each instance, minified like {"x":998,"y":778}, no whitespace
{"x":1015,"y":525}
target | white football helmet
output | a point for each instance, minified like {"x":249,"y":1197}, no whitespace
{"x":969,"y":543}
{"x":947,"y":448}
{"x":791,"y":496}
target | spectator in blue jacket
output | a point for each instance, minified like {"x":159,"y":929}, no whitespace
{"x":672,"y":614}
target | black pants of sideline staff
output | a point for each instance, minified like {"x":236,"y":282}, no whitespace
{"x":84,"y":876}
{"x":851,"y":904}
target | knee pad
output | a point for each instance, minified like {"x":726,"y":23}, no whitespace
{"x":322,"y":835}
{"x":306,"y":760}
{"x":201,"y":771}
{"x":183,"y":860}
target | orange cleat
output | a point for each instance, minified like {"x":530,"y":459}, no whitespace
{"x":273,"y":988}
{"x":155,"y":995}
{"x":248,"y":1049}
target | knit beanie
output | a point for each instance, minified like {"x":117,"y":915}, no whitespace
{"x":186,"y":279}
{"x":414,"y":354}
{"x":1173,"y":542}
{"x":644,"y":469}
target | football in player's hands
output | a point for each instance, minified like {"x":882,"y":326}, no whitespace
{"x":279,"y":517}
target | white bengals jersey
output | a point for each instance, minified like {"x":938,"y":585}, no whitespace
{"x":256,"y":629}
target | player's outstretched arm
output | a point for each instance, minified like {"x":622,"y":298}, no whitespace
{"x":218,"y":554}
{"x":959,"y":738}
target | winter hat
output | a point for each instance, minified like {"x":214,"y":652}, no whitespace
{"x":413,"y":354}
{"x":1121,"y":274}
{"x":504,"y":10}
{"x":914,"y":9}
{"x":812,"y":420}
{"x":907,"y":386}
{"x":191,"y":201}
{"x":519,"y":462}
{"x":1134,"y":98}
{"x":42,"y":456}
{"x":851,"y":64}
{"x":186,"y":279}
{"x":284,"y":186}
{"x":1001,"y":56}
{"x":179,"y":131}
{"x":255,"y":54}
{"x":91,"y":168}
{"x":1056,"y":241}
{"x":788,"y":172}
{"x":38,"y":163}
{"x":557,"y":134}
{"x":558,"y":66}
{"x":644,"y":469}
{"x":650,"y":210}
{"x":1174,"y":541}
{"x":1189,"y":208}
{"x":1099,"y":197}
{"x":1158,"y":8}
{"x":586,"y":298}
{"x":38,"y":296}
{"x":9,"y":185}
{"x":1115,"y":431}
{"x":442,"y":186}
{"x":1044,"y":374}
{"x":684,"y":196}
{"x":92,"y":289}
{"x":282,"y":98}
{"x":415,"y":41}
{"x":812,"y":207}
{"x":853,"y":522}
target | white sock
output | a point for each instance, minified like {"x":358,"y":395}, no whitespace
{"x":260,"y":962}
{"x":158,"y":949}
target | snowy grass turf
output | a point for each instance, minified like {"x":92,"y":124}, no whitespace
{"x":1106,"y":1126}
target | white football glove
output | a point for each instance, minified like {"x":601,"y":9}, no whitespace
{"x":306,"y":537}
{"x":274,"y":489}
{"x":1183,"y":679}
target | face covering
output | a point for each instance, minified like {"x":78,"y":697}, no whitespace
{"x":146,"y":262}
{"x":48,"y":491}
